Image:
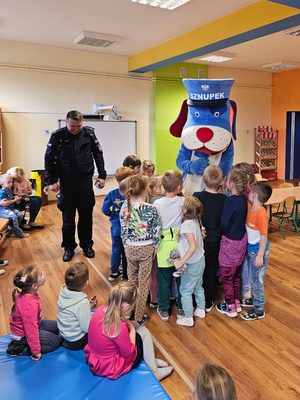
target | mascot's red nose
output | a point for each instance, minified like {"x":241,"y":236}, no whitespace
{"x":204,"y":134}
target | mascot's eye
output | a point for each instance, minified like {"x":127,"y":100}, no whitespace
{"x":197,"y":114}
{"x":217,"y":114}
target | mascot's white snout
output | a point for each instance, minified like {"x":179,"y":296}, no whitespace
{"x":213,"y":138}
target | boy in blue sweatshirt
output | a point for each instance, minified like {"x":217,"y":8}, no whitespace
{"x":111,"y":207}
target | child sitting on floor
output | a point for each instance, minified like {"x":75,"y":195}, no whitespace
{"x":117,"y":345}
{"x":74,"y":308}
{"x":30,"y":334}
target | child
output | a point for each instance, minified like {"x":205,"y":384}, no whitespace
{"x":257,"y":255}
{"x":115,"y":345}
{"x":212,"y":202}
{"x":7,"y":208}
{"x":190,"y":246}
{"x":212,"y":382}
{"x":233,"y":242}
{"x":74,"y":309}
{"x":251,"y":179}
{"x":111,"y":207}
{"x":148,"y":168}
{"x":31,"y":204}
{"x":133,"y":162}
{"x":156,"y":190}
{"x":31,"y":335}
{"x":170,"y":211}
{"x":140,"y":225}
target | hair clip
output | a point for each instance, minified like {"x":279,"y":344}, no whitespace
{"x":23,"y":279}
{"x":129,"y":188}
{"x":18,"y":289}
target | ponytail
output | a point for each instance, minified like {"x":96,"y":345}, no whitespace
{"x":23,"y":281}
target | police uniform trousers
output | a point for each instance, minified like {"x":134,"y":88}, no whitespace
{"x":76,"y":194}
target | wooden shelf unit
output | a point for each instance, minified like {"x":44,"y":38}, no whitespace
{"x":1,"y":150}
{"x":266,"y":143}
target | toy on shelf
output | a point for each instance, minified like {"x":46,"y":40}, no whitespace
{"x":266,"y":142}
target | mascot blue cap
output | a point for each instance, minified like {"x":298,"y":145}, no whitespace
{"x":207,"y":92}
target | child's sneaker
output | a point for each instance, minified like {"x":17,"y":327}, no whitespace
{"x":143,"y":320}
{"x":185,"y":321}
{"x":247,"y":302}
{"x":164,"y":314}
{"x":22,"y":235}
{"x":208,"y":309}
{"x":229,"y":309}
{"x":153,"y":304}
{"x":113,"y":277}
{"x":238,"y":306}
{"x":251,"y":315}
{"x":3,"y":263}
{"x":180,"y":313}
{"x":2,"y":271}
{"x":199,"y":313}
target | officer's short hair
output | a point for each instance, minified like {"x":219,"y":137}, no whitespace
{"x":75,"y":115}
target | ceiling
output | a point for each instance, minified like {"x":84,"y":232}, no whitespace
{"x":56,"y":23}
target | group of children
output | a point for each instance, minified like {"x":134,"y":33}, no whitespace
{"x":154,"y":220}
{"x":210,"y":232}
{"x":113,"y":344}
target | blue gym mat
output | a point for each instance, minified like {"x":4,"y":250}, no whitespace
{"x":64,"y":374}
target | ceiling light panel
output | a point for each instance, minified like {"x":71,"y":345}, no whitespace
{"x":95,"y":39}
{"x":281,"y":65}
{"x":166,"y":4}
{"x":218,"y":57}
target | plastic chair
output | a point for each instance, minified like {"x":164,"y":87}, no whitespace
{"x":286,"y":184}
{"x":287,"y":211}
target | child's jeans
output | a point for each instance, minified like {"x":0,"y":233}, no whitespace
{"x":257,"y":277}
{"x":191,"y":282}
{"x":15,"y":218}
{"x":115,"y":259}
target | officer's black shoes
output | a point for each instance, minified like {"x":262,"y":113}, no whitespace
{"x":68,"y":255}
{"x":89,"y":252}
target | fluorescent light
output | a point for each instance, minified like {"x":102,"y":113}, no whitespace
{"x":167,"y":4}
{"x":218,"y":57}
{"x":280,"y":65}
{"x":95,"y":39}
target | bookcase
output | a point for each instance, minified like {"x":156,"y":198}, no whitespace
{"x":266,"y":142}
{"x":1,"y":155}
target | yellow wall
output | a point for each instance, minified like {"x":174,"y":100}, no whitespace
{"x":285,"y":97}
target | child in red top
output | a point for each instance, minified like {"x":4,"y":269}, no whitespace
{"x":115,"y":346}
{"x":31,"y":335}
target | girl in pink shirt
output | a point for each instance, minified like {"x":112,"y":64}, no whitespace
{"x":30,"y":334}
{"x":117,"y":345}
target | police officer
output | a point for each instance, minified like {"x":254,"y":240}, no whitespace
{"x":70,"y":156}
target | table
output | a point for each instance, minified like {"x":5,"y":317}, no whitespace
{"x":279,"y":194}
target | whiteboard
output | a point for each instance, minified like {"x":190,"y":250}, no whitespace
{"x":117,"y":139}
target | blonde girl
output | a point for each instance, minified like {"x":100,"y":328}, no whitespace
{"x":117,"y":345}
{"x":233,"y":242}
{"x":148,"y":168}
{"x":7,"y":206}
{"x":31,"y":204}
{"x":156,"y":189}
{"x":30,"y":334}
{"x":190,"y":246}
{"x":140,"y":225}
{"x":212,"y":382}
{"x":251,"y":179}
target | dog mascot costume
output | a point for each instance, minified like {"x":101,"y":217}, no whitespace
{"x":205,"y":123}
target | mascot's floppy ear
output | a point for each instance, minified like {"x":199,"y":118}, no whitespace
{"x":233,"y":111}
{"x":177,"y":126}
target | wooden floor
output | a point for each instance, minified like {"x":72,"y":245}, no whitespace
{"x":263,"y":356}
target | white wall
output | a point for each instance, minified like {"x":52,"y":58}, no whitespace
{"x":252,"y":92}
{"x":39,"y":85}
